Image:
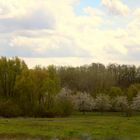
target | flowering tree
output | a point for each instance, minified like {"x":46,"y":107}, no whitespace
{"x":120,"y":103}
{"x":83,"y":102}
{"x":102,"y":102}
{"x":136,"y":103}
{"x":64,"y":104}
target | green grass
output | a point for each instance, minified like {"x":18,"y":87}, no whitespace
{"x":92,"y":124}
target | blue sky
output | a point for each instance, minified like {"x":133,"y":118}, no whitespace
{"x":85,"y":3}
{"x":70,"y":32}
{"x":97,"y":4}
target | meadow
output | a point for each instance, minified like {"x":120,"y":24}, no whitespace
{"x":109,"y":126}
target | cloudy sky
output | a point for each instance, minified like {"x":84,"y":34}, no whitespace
{"x":70,"y":32}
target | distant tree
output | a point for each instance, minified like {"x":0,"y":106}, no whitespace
{"x":52,"y":87}
{"x":36,"y":91}
{"x":113,"y":74}
{"x":102,"y":103}
{"x":133,"y":90}
{"x":25,"y":93}
{"x":65,"y":93}
{"x":9,"y":108}
{"x":84,"y":102}
{"x":120,"y":103}
{"x":64,"y":103}
{"x":10,"y":69}
{"x":136,"y":103}
{"x":115,"y":91}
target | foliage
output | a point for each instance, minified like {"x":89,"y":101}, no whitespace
{"x":10,"y":69}
{"x":120,"y":103}
{"x":8,"y":108}
{"x":83,"y":102}
{"x":115,"y":91}
{"x":133,"y":90}
{"x":102,"y":103}
{"x":64,"y":104}
{"x":36,"y":92}
{"x":136,"y":103}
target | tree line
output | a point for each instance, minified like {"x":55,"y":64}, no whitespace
{"x":58,"y":91}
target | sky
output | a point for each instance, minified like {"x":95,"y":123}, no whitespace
{"x":70,"y":32}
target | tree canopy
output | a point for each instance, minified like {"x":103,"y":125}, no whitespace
{"x":34,"y":92}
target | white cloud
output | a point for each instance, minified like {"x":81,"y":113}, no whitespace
{"x":116,"y":7}
{"x":51,"y":29}
{"x":93,"y":11}
{"x":15,"y":8}
{"x":136,"y":12}
{"x":63,"y":61}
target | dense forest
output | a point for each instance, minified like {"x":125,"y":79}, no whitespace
{"x":59,"y":91}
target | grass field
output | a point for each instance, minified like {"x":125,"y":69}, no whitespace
{"x":77,"y":126}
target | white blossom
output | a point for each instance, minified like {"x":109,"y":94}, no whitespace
{"x":120,"y":103}
{"x":84,"y":101}
{"x":136,"y":103}
{"x":102,"y":102}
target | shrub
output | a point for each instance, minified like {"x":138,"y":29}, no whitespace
{"x":64,"y":107}
{"x":133,"y":90}
{"x":102,"y":103}
{"x":8,"y":108}
{"x":115,"y":91}
{"x":136,"y":103}
{"x":63,"y":103}
{"x":120,"y":103}
{"x":83,"y":102}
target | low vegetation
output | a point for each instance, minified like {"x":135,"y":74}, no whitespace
{"x":79,"y":126}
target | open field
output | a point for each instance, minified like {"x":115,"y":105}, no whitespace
{"x":92,"y":124}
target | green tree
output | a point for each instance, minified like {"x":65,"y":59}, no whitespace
{"x":132,"y":91}
{"x":25,"y":91}
{"x":115,"y":91}
{"x":51,"y":86}
{"x":10,"y":69}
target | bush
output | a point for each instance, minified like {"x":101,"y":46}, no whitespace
{"x":63,"y":105}
{"x":133,"y":90}
{"x":120,"y":103}
{"x":136,"y":103}
{"x":84,"y":102}
{"x":115,"y":91}
{"x":8,"y":108}
{"x":102,"y":103}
